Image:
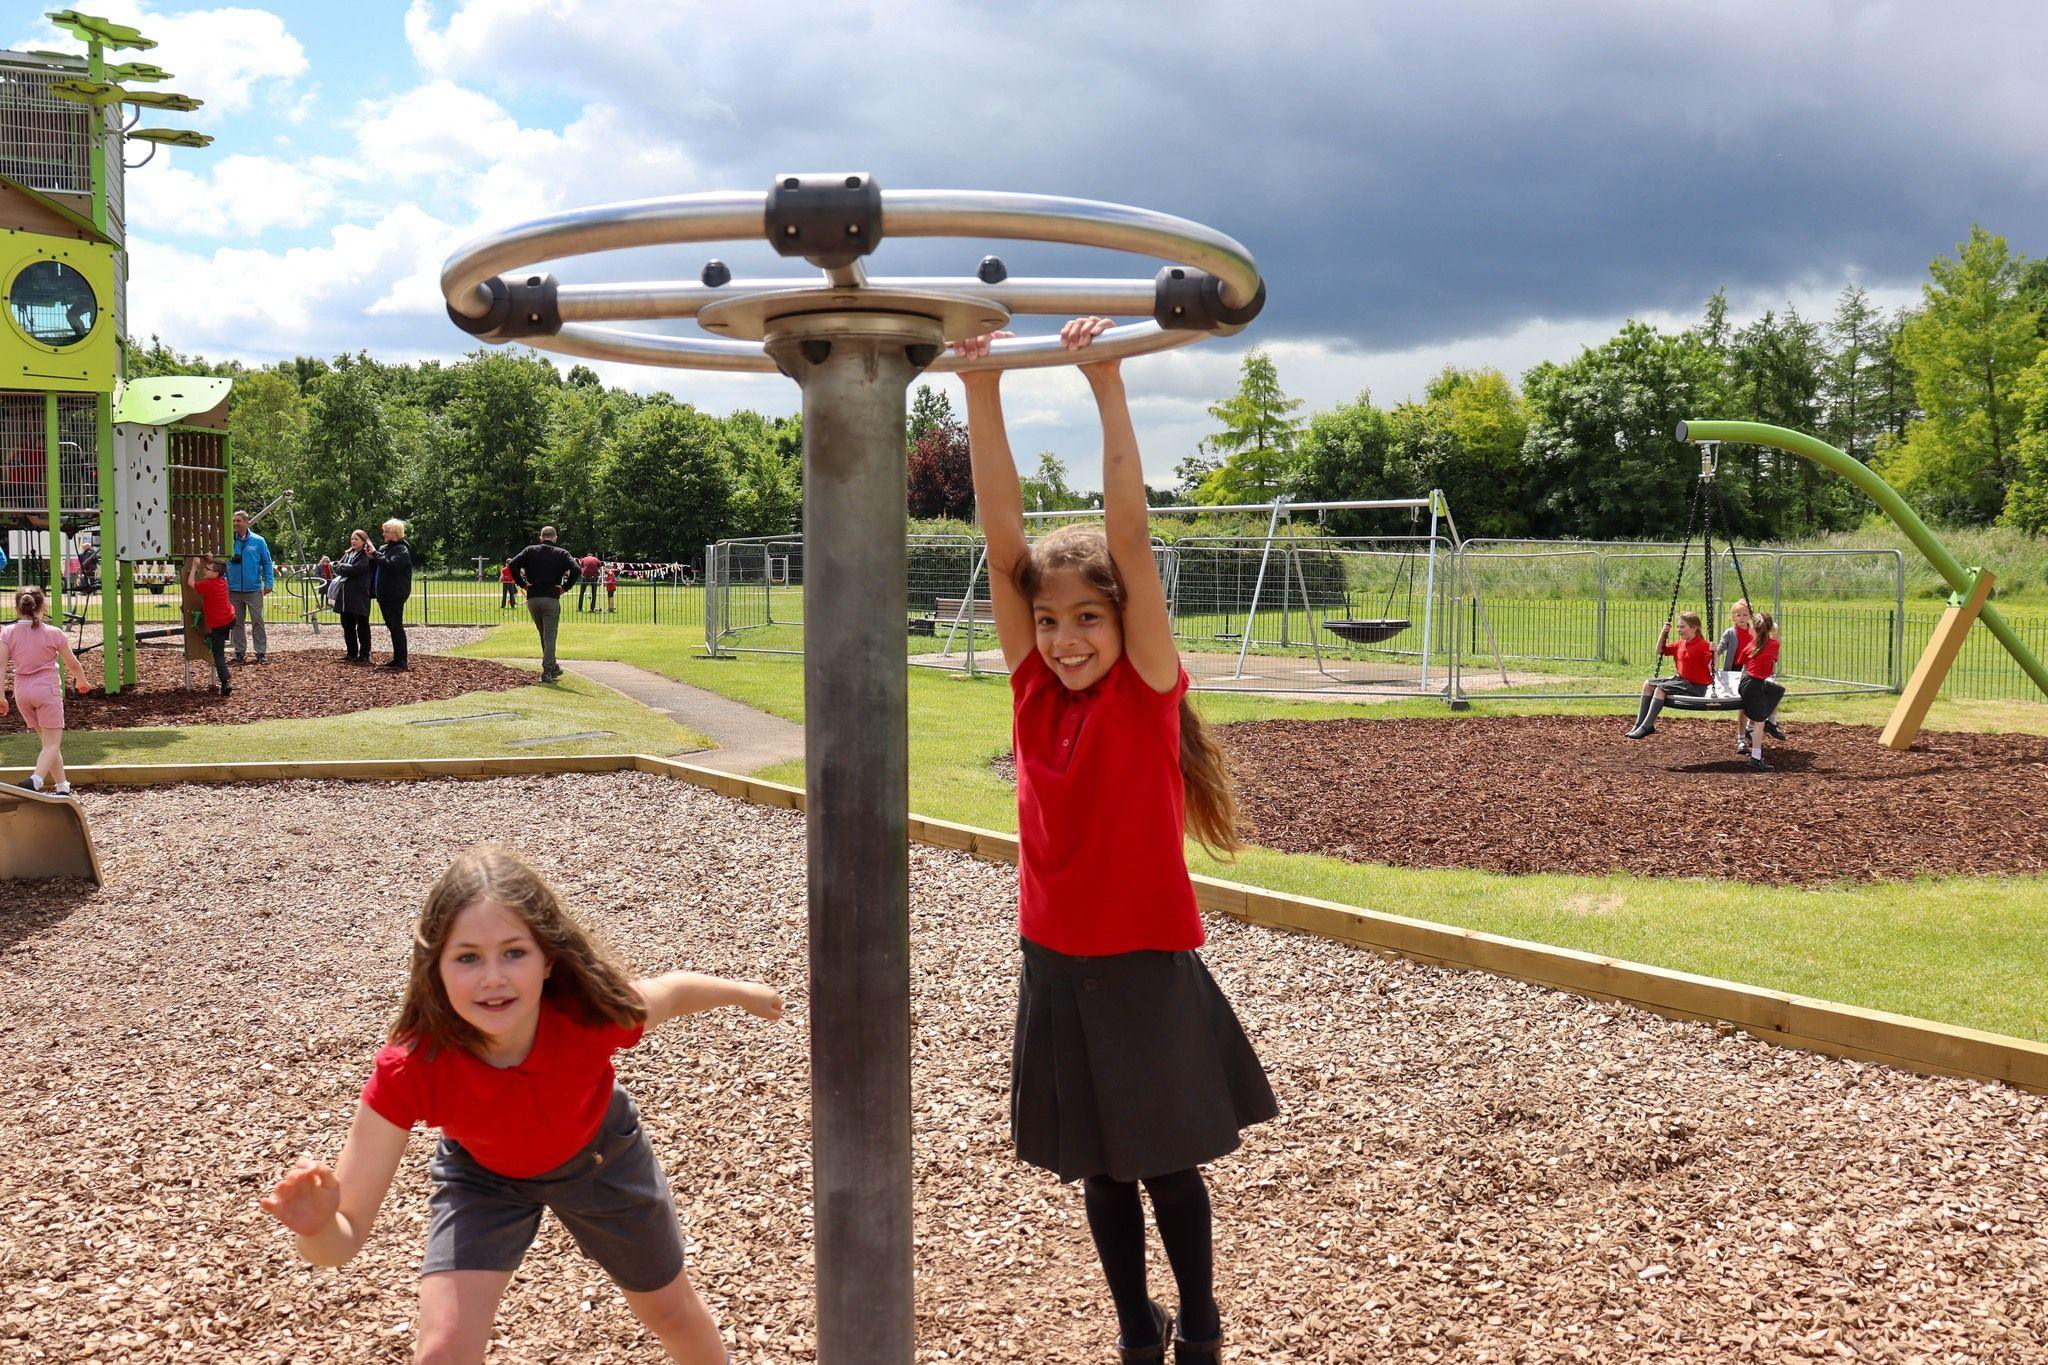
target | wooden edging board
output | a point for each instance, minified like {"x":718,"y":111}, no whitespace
{"x":1920,"y":1045}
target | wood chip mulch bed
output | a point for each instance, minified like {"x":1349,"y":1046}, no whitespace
{"x":291,"y":684}
{"x":1465,"y":1169}
{"x":1570,"y":794}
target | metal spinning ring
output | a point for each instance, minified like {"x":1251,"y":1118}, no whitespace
{"x":835,"y":221}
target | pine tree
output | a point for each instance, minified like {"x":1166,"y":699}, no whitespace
{"x":1258,"y":437}
{"x":1852,"y":392}
{"x":930,"y":410}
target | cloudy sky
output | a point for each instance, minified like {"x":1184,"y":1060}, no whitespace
{"x":1451,"y":183}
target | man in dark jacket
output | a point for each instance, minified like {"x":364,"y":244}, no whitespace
{"x":545,"y":570}
{"x":393,"y":586}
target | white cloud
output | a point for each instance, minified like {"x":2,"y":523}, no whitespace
{"x":223,"y":56}
{"x":232,"y":196}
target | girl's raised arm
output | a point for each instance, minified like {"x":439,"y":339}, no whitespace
{"x":998,"y":502}
{"x":332,"y":1211}
{"x":1148,"y":629}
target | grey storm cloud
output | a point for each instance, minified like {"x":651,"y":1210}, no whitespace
{"x":1405,"y":174}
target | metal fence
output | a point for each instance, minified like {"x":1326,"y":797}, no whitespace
{"x":24,"y":462}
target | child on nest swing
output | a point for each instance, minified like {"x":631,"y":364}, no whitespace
{"x":1730,"y":659}
{"x":1693,"y":660}
{"x":504,"y":1042}
{"x":1128,"y":1066}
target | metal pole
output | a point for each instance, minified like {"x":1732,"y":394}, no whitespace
{"x":111,"y":647}
{"x":53,"y":485}
{"x":854,"y":369}
{"x":1428,"y":589}
{"x":1251,"y":617}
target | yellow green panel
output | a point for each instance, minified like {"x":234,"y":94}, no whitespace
{"x":169,"y":398}
{"x":57,"y":298}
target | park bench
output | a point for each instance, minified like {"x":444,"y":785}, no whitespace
{"x":947,"y":610}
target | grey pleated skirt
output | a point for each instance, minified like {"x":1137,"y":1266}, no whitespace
{"x":1130,"y":1066}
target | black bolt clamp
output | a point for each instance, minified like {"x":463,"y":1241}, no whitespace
{"x":521,"y":307}
{"x":717,"y":274}
{"x":1185,"y":300}
{"x":992,"y":270}
{"x":829,"y":220}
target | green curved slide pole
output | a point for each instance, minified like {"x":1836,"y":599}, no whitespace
{"x":1887,"y":498}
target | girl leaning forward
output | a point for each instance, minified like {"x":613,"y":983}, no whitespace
{"x":505,"y":1044}
{"x":1128,"y":1067}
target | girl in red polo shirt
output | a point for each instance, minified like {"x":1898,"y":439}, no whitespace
{"x":1760,"y":696}
{"x":1128,"y":1066}
{"x":505,"y":1044}
{"x":1694,"y":661}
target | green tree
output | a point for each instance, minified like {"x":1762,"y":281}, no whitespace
{"x":666,"y":487}
{"x":1774,"y":374}
{"x":2026,"y":502}
{"x":930,"y":411}
{"x":766,"y":498}
{"x":267,"y":424}
{"x":1602,"y":443}
{"x":1258,"y":437}
{"x":1852,"y":387}
{"x":581,"y":426}
{"x":1977,"y":330}
{"x":498,"y":426}
{"x":1346,"y":455}
{"x":1466,"y":438}
{"x":351,"y":475}
{"x":941,"y":474}
{"x":1048,"y":491}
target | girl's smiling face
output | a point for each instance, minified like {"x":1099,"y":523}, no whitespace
{"x":493,"y":971}
{"x":1080,"y":633}
{"x":1739,"y":614}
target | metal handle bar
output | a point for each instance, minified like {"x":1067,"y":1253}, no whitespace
{"x":472,"y":284}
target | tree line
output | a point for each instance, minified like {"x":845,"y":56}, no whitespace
{"x":1948,"y":401}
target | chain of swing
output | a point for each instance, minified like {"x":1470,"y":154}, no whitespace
{"x":1706,"y":508}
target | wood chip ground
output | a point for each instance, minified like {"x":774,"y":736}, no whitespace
{"x":1466,"y":1168}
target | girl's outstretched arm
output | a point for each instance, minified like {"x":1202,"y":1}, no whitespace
{"x":998,"y":502}
{"x":1148,"y":630}
{"x":72,"y":666}
{"x":332,"y":1210}
{"x":674,"y":994}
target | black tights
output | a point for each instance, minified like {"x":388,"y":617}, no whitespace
{"x":1180,"y":1206}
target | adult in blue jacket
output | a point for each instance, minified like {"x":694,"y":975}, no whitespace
{"x":251,"y":575}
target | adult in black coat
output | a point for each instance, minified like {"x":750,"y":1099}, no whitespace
{"x":392,"y":585}
{"x":355,"y":570}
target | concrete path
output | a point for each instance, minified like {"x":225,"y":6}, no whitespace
{"x":748,"y":740}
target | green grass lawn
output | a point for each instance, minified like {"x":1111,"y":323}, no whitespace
{"x":571,"y":706}
{"x":1963,"y":950}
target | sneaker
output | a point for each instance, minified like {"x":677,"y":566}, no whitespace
{"x":62,"y":789}
{"x":395,"y":667}
{"x":227,"y":691}
{"x":1757,"y":764}
{"x":32,"y":782}
{"x":1642,"y":732}
{"x":261,"y":660}
{"x":1771,"y":729}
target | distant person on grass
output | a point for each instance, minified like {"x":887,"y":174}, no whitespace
{"x":545,"y":570}
{"x":592,"y":568}
{"x":250,"y":577}
{"x":504,"y":1042}
{"x":355,"y":569}
{"x":33,"y":647}
{"x":392,"y":585}
{"x":508,"y":587}
{"x":203,"y":576}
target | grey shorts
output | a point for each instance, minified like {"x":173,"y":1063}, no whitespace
{"x":611,"y":1196}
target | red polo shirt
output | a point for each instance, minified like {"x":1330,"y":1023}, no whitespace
{"x":519,"y":1121}
{"x":1100,"y":814}
{"x":214,"y":602}
{"x":1694,"y":659}
{"x":1759,"y":663}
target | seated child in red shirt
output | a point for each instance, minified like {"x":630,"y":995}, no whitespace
{"x":504,"y":1042}
{"x":1760,"y":696}
{"x":1694,"y":660}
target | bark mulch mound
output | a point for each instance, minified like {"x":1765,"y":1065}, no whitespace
{"x":1465,"y":1169}
{"x":292,"y":684}
{"x":1570,"y":794}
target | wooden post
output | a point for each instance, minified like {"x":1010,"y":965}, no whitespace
{"x":1935,"y":662}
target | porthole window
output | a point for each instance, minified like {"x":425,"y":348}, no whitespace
{"x":53,"y":304}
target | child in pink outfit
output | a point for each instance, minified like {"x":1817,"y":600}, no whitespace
{"x":33,"y":647}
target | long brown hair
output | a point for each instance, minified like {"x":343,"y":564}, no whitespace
{"x":1205,"y":774}
{"x":584,"y":979}
{"x":30,"y":603}
{"x":1761,"y":628}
